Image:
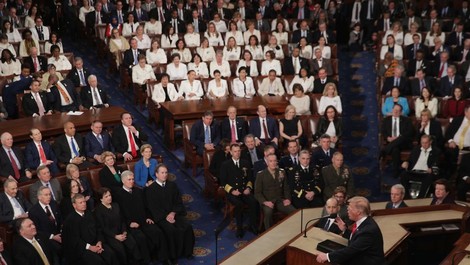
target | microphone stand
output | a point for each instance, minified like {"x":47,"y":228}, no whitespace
{"x":333,"y":215}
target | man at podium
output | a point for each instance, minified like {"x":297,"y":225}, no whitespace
{"x":365,"y":245}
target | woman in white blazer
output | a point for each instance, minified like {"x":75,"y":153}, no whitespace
{"x":248,"y":62}
{"x":191,"y":89}
{"x":163,"y":90}
{"x":243,"y":85}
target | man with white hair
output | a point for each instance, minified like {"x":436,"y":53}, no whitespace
{"x":12,"y":160}
{"x":92,"y":96}
{"x":397,"y":193}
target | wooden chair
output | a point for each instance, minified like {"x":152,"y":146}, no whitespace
{"x":190,"y":155}
{"x":140,"y":96}
{"x":211,"y":183}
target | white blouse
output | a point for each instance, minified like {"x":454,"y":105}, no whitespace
{"x":325,"y":52}
{"x":247,"y":34}
{"x":278,"y":52}
{"x":143,"y":43}
{"x":207,"y":54}
{"x":266,"y":66}
{"x":153,"y":28}
{"x":158,"y":94}
{"x":307,"y":84}
{"x":83,"y":11}
{"x":12,"y":68}
{"x":409,"y":38}
{"x":302,"y":105}
{"x":253,"y":67}
{"x":201,"y":69}
{"x":139,"y":74}
{"x":186,"y":88}
{"x":432,"y":106}
{"x":127,"y":30}
{"x":224,"y":68}
{"x":306,"y":52}
{"x":14,"y":36}
{"x":281,"y":37}
{"x":220,"y":26}
{"x":256,"y":52}
{"x":156,"y":57}
{"x":9,"y":47}
{"x":48,"y":45}
{"x":177,"y":73}
{"x":239,"y":88}
{"x":168,"y":42}
{"x":398,"y":37}
{"x":218,"y":91}
{"x":214,"y":40}
{"x":232,"y":55}
{"x":61,"y":63}
{"x":241,"y":25}
{"x":327,"y":101}
{"x":192,"y":39}
{"x":274,"y":24}
{"x":185,"y":55}
{"x":238,"y":36}
{"x":429,"y":40}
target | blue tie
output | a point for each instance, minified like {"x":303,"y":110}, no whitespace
{"x":74,"y":148}
{"x":100,"y":140}
{"x":207,"y":137}
{"x":52,"y":193}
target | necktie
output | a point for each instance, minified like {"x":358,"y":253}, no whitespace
{"x":49,"y":215}
{"x":175,"y":26}
{"x":207,"y":136}
{"x":464,"y":56}
{"x":40,"y":105}
{"x":196,"y":26}
{"x":97,"y":18}
{"x":236,"y":164}
{"x":369,"y":10}
{"x":295,"y":161}
{"x":296,"y":63}
{"x":17,"y":205}
{"x":100,"y":140}
{"x":259,"y":25}
{"x":82,"y":77}
{"x":459,"y":38}
{"x":244,"y":87}
{"x":353,"y":229}
{"x":299,"y":15}
{"x":136,"y":61}
{"x":422,"y":84}
{"x":327,"y":225}
{"x":162,"y":18}
{"x":163,"y":184}
{"x":232,"y":132}
{"x":462,"y":136}
{"x":120,"y":20}
{"x":254,"y":157}
{"x":42,"y":155}
{"x":74,"y":148}
{"x":221,"y":12}
{"x":441,"y":70}
{"x":357,"y":11}
{"x":414,"y":51}
{"x":138,"y":15}
{"x":52,"y":192}
{"x":395,"y":128}
{"x":265,"y":129}
{"x":328,"y":153}
{"x":36,"y":65}
{"x":14,"y":165}
{"x":132,"y":143}
{"x":40,"y":252}
{"x":96,"y":96}
{"x":40,"y":35}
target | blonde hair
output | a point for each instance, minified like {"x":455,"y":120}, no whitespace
{"x":145,"y":146}
{"x":361,"y":204}
{"x":288,"y":108}
{"x":325,"y":90}
{"x":106,"y":154}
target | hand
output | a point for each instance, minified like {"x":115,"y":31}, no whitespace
{"x":48,"y":162}
{"x":120,"y":237}
{"x":286,"y":202}
{"x":99,"y":244}
{"x":404,"y":165}
{"x":429,"y":170}
{"x":209,"y":146}
{"x":247,"y":191}
{"x":95,"y":249}
{"x":334,"y":139}
{"x":98,"y":158}
{"x":28,"y":174}
{"x":77,"y":160}
{"x":25,"y":215}
{"x":134,"y":225}
{"x":132,"y":129}
{"x":452,"y":145}
{"x":191,"y":94}
{"x":321,"y":257}
{"x":148,"y":183}
{"x":340,"y":223}
{"x":127,"y":156}
{"x":310,"y":195}
{"x":81,"y":108}
{"x":87,"y":198}
{"x":235,"y":193}
{"x":180,"y":98}
{"x":257,"y":142}
{"x":106,"y":105}
{"x":149,"y":221}
{"x":171,"y":217}
{"x":57,"y":238}
{"x":275,"y":140}
{"x":269,"y":204}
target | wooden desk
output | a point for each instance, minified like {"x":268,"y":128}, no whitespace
{"x":194,"y":109}
{"x":52,"y":125}
{"x":459,"y":254}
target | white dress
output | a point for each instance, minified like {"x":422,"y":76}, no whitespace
{"x":328,"y":101}
{"x":281,"y":37}
{"x":168,"y":42}
{"x":231,"y":55}
{"x":239,"y":88}
{"x":185,"y":55}
{"x":278,"y":51}
{"x":192,"y":39}
{"x":61,"y":63}
{"x":247,"y":34}
{"x":153,"y":28}
{"x":253,"y":67}
{"x":143,"y":43}
{"x":307,"y":84}
{"x":256,"y":52}
{"x":12,"y":68}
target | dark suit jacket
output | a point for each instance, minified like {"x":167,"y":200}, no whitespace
{"x":90,"y":19}
{"x":416,"y":88}
{"x":107,"y":178}
{"x":364,"y":248}
{"x":41,"y":60}
{"x":332,"y":180}
{"x":375,"y":12}
{"x":265,"y":26}
{"x":411,"y":69}
{"x":435,"y":131}
{"x":32,"y":158}
{"x":42,"y":222}
{"x":323,"y":125}
{"x":54,"y":185}
{"x":226,"y":129}
{"x":326,"y":64}
{"x":297,"y":34}
{"x":6,"y":168}
{"x":249,"y":13}
{"x":289,"y":65}
{"x":245,"y":155}
{"x":197,"y":135}
{"x":458,"y":54}
{"x":30,"y":106}
{"x":87,"y":97}
{"x":452,"y":40}
{"x":128,"y":60}
{"x":464,"y":68}
{"x":202,"y":25}
{"x":271,"y":124}
{"x":389,"y":84}
{"x":75,"y":77}
{"x":227,"y":13}
{"x":143,"y":15}
{"x":447,"y":200}
{"x":390,"y":205}
{"x":233,"y":178}
{"x":54,"y":96}
{"x":259,"y":166}
{"x":181,"y":25}
{"x":410,"y":50}
{"x":433,"y":157}
{"x":333,"y":227}
{"x":406,"y":130}
{"x":153,"y":13}
{"x":25,"y":253}
{"x":93,"y":147}
{"x":6,"y":209}
{"x":287,"y":162}
{"x":446,"y":88}
{"x":319,"y":157}
{"x":295,"y":14}
{"x":330,"y":36}
{"x":62,"y":150}
{"x":453,"y":128}
{"x":119,"y":139}
{"x":318,"y":87}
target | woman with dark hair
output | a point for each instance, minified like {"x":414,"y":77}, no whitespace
{"x":9,"y":66}
{"x":129,"y":27}
{"x":53,"y":40}
{"x":155,"y":55}
{"x":71,"y":188}
{"x":305,"y":48}
{"x":394,"y":99}
{"x":247,"y":62}
{"x":144,"y":170}
{"x":185,"y":53}
{"x":198,"y":66}
{"x":142,"y":73}
{"x":31,"y":17}
{"x":27,"y":43}
{"x":280,"y":33}
{"x":60,"y":61}
{"x":4,"y":44}
{"x":392,"y":47}
{"x":114,"y":24}
{"x":234,"y":33}
{"x":243,"y":85}
{"x":11,"y":32}
{"x":176,"y":69}
{"x":442,"y":193}
{"x":251,"y":31}
{"x":192,"y":38}
{"x":426,"y":101}
{"x":73,"y":173}
{"x":169,"y":37}
{"x":114,"y":230}
{"x":335,"y":131}
{"x":355,"y":38}
{"x":254,"y":48}
{"x":231,"y":51}
{"x":456,"y":104}
{"x":217,"y":87}
{"x":271,"y":63}
{"x":304,"y":79}
{"x":299,"y":100}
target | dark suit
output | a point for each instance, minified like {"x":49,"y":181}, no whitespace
{"x":427,"y":23}
{"x":78,"y":231}
{"x":326,"y":64}
{"x":411,"y":69}
{"x":90,"y":19}
{"x":153,"y":13}
{"x":453,"y":40}
{"x":458,"y":54}
{"x":271,"y":124}
{"x":249,"y":13}
{"x":264,"y":27}
{"x":74,"y":76}
{"x":42,"y":61}
{"x":119,"y":139}
{"x":201,"y":24}
{"x":364,"y":248}
{"x":330,"y":36}
{"x":93,"y":146}
{"x":390,"y":205}
{"x":128,"y":60}
{"x":245,"y":155}
{"x":268,"y":12}
{"x":143,"y":15}
{"x":446,"y":87}
{"x":300,"y":182}
{"x":6,"y":208}
{"x":287,"y":162}
{"x":33,"y":159}
{"x":55,"y":97}
{"x":447,"y":200}
{"x":318,"y":86}
{"x":25,"y":253}
{"x":416,"y":86}
{"x":389,"y":83}
{"x":332,"y":180}
{"x":423,"y":177}
{"x":297,"y":34}
{"x":241,"y":127}
{"x":332,"y":227}
{"x":435,"y":131}
{"x":42,"y":221}
{"x":62,"y":150}
{"x":30,"y":106}
{"x":179,"y":23}
{"x":403,"y":141}
{"x":198,"y":135}
{"x":6,"y":168}
{"x":410,"y":50}
{"x":54,"y":187}
{"x":295,"y":14}
{"x":86,"y":96}
{"x":320,"y":158}
{"x":289,"y":65}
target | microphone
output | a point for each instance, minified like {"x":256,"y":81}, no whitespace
{"x":333,"y":215}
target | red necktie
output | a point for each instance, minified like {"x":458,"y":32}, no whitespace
{"x":132,"y":142}
{"x":42,"y":155}
{"x":36,"y":66}
{"x":233,"y":135}
{"x":265,"y":129}
{"x":14,"y":165}
{"x":353,"y":229}
{"x":441,"y":71}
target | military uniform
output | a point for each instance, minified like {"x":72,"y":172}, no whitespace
{"x":334,"y":178}
{"x":302,"y":181}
